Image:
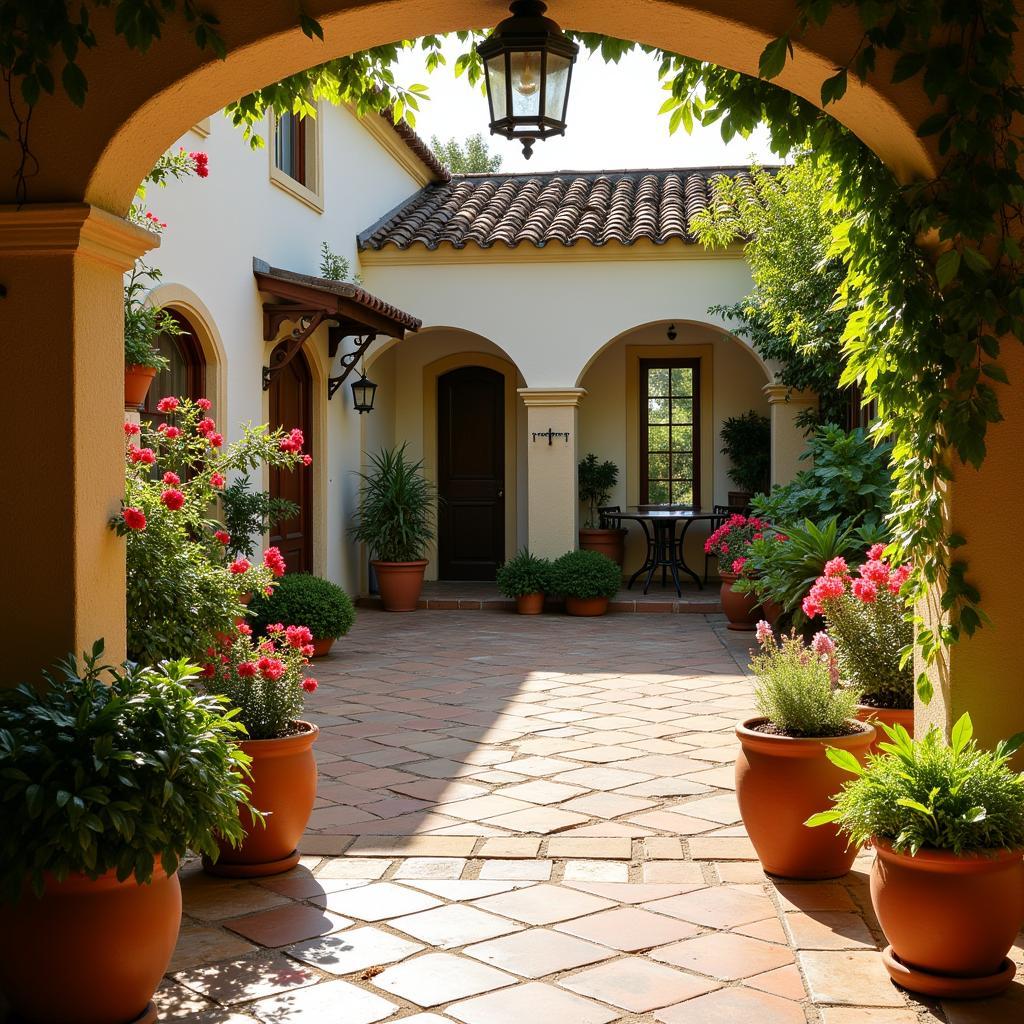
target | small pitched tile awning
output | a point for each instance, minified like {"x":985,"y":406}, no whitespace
{"x":560,"y":208}
{"x":308,"y":302}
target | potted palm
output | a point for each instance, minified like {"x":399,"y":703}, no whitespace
{"x":109,"y":778}
{"x":265,"y":682}
{"x":596,"y":481}
{"x":303,"y":600}
{"x":586,"y":579}
{"x":527,"y":578}
{"x":395,"y":520}
{"x":783,"y":772}
{"x":746,"y":442}
{"x":946,"y":821}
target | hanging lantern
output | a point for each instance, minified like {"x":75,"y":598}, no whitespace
{"x":363,"y":393}
{"x":528,"y":67}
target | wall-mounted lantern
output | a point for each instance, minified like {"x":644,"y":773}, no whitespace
{"x":363,"y":393}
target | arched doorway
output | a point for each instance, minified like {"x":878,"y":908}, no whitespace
{"x":185,"y":376}
{"x":471,"y":473}
{"x":291,"y":405}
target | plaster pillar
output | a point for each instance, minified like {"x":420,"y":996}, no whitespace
{"x":985,"y":674}
{"x":61,"y":461}
{"x":788,"y":440}
{"x":552,"y":501}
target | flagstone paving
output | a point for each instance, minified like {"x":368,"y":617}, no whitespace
{"x":533,"y":819}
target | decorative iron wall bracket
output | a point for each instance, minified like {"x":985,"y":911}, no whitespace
{"x":550,"y":435}
{"x":349,"y":359}
{"x":307,"y":321}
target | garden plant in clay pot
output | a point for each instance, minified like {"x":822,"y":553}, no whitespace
{"x":596,"y":482}
{"x":303,"y":600}
{"x":783,"y":772}
{"x":95,"y":826}
{"x":526,"y":578}
{"x":730,"y":545}
{"x":946,"y":821}
{"x":587,"y":580}
{"x":746,"y":442}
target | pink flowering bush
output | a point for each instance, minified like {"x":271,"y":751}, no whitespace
{"x":264,"y":679}
{"x":867,"y":621}
{"x":731,"y":542}
{"x":182,"y":589}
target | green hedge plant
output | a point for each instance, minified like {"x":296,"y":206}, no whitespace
{"x":303,"y":600}
{"x":596,"y":482}
{"x":104,"y":769}
{"x":746,"y":442}
{"x":524,"y":574}
{"x":585,"y":574}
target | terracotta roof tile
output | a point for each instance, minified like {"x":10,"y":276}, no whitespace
{"x":563,"y":207}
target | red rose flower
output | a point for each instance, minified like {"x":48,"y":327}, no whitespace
{"x":273,"y":559}
{"x":134,"y":518}
{"x":238,"y":566}
{"x":307,"y":460}
{"x":173,"y":499}
{"x":298,"y":636}
{"x":216,"y":440}
{"x":204,"y":403}
{"x":206,"y":426}
{"x":216,"y":480}
{"x":246,"y":669}
{"x":223,"y":536}
{"x":309,"y":685}
{"x":171,"y":479}
{"x":168,"y":404}
{"x":201,"y":163}
{"x":130,"y":428}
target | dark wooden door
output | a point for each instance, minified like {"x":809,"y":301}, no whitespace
{"x":471,"y":473}
{"x":291,"y":405}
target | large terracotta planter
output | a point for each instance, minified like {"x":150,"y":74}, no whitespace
{"x":586,"y":605}
{"x":322,"y":647}
{"x":283,"y":786}
{"x":610,"y":543}
{"x":530,"y":604}
{"x":887,"y":716}
{"x":950,"y":920}
{"x":400,"y":584}
{"x":742,"y":610}
{"x":771,"y":611}
{"x":780,"y":782}
{"x":89,"y":952}
{"x":137,"y":381}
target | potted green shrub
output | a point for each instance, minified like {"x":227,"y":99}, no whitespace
{"x":527,"y":578}
{"x":108,"y":778}
{"x":596,"y":482}
{"x":746,"y":442}
{"x":303,"y":600}
{"x":783,"y":772}
{"x":946,"y":821}
{"x":249,"y":513}
{"x":395,"y":520}
{"x":586,"y":579}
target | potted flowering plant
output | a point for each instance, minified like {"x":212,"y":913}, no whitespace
{"x":866,"y":619}
{"x":265,"y":681}
{"x":783,"y":773}
{"x":946,"y":821}
{"x":109,"y":776}
{"x":183,"y":592}
{"x":730,"y":545}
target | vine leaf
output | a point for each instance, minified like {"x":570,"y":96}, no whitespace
{"x":773,"y":58}
{"x":947,"y":267}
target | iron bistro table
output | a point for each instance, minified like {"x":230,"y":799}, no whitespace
{"x":664,"y":549}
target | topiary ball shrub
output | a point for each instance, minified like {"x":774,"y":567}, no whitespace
{"x":303,"y":600}
{"x":524,"y":574}
{"x":585,"y":574}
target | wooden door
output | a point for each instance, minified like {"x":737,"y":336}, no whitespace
{"x":291,"y":405}
{"x":471,"y":473}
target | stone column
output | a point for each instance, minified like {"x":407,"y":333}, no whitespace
{"x":788,"y":440}
{"x":61,"y":461}
{"x":553,"y":502}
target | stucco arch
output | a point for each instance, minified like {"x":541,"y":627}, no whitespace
{"x":426,"y":333}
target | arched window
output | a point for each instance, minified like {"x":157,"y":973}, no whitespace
{"x":186,"y":375}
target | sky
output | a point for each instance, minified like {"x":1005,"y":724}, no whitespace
{"x":612,"y":121}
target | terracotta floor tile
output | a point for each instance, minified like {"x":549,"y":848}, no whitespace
{"x":663,"y":848}
{"x":377,"y":901}
{"x":453,"y":925}
{"x":378,"y":778}
{"x":198,"y":945}
{"x":538,"y":952}
{"x":867,"y":1015}
{"x":438,"y":790}
{"x":628,"y":893}
{"x":175,"y":1002}
{"x":284,"y":925}
{"x":783,"y":981}
{"x":848,"y":978}
{"x":828,"y":929}
{"x":365,"y":868}
{"x":607,"y":805}
{"x":437,"y":978}
{"x":722,"y":809}
{"x":661,"y":787}
{"x":235,"y":981}
{"x":770,"y":929}
{"x":814,"y":896}
{"x":331,"y":1001}
{"x":709,"y":848}
{"x":541,"y":792}
{"x":542,"y":820}
{"x":532,"y":1002}
{"x":214,"y":899}
{"x":483,"y":807}
{"x":718,"y":907}
{"x":594,"y":848}
{"x":602,"y":778}
{"x":543,"y":904}
{"x":605,"y":754}
{"x":628,"y":929}
{"x":728,"y":1005}
{"x":354,"y":950}
{"x":513,"y":846}
{"x":740,"y":871}
{"x":595,"y":871}
{"x":468,"y":889}
{"x":725,"y":956}
{"x":431,"y":867}
{"x":1005,"y":1009}
{"x":636,"y":984}
{"x":669,"y":821}
{"x":538,"y":767}
{"x":525,"y":870}
{"x":673,"y":871}
{"x":411,"y":846}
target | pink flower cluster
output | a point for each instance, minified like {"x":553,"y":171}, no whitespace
{"x":293,"y":442}
{"x":201,"y":163}
{"x":872,"y":577}
{"x":729,"y":543}
{"x":273,"y":559}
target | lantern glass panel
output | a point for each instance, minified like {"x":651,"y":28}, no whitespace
{"x":527,"y":68}
{"x":557,"y":86}
{"x":496,"y":87}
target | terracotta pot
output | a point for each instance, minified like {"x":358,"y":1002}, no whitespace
{"x":400,"y":584}
{"x":586,"y":605}
{"x":610,"y":543}
{"x":137,"y":380}
{"x":283,"y":786}
{"x":772,"y":611}
{"x":780,"y":782}
{"x":89,"y":952}
{"x":950,"y":920}
{"x":321,"y":648}
{"x":739,"y":499}
{"x":742,"y":610}
{"x":530,"y":604}
{"x":887,"y":716}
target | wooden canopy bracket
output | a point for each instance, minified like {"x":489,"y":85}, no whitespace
{"x":349,"y":359}
{"x":306,"y":322}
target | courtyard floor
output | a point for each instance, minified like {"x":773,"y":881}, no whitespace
{"x":533,"y":820}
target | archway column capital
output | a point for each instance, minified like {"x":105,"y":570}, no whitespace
{"x":782,"y":394}
{"x":552,"y":397}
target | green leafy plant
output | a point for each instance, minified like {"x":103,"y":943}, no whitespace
{"x":336,"y":268}
{"x":143,"y":324}
{"x":746,"y":441}
{"x":395,"y":516}
{"x":248,"y":514}
{"x":585,"y":574}
{"x":523,"y":574}
{"x":796,"y":687}
{"x":303,"y":600}
{"x":469,"y":157}
{"x":122,"y":770}
{"x":596,"y":481}
{"x":929,"y":795}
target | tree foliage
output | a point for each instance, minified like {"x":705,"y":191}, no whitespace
{"x":469,"y":157}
